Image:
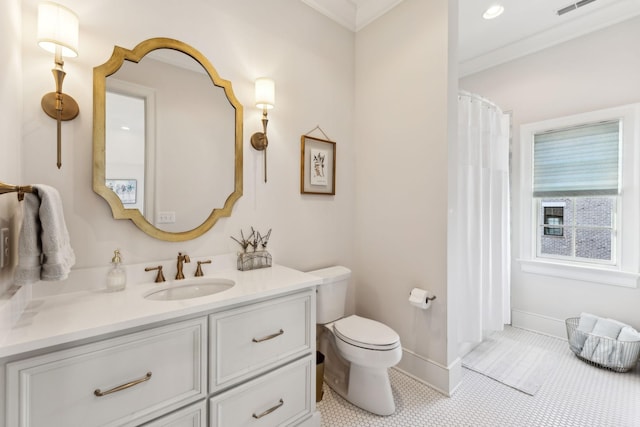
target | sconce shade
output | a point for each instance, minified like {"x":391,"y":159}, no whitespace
{"x":58,"y":25}
{"x":265,"y":93}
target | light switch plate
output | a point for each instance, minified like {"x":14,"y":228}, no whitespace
{"x":5,"y":247}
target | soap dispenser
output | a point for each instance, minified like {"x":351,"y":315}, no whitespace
{"x":117,"y":276}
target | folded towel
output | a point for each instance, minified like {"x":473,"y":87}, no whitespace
{"x":626,"y":350}
{"x":585,"y":325}
{"x":629,"y":334}
{"x":604,"y":351}
{"x":44,"y":249}
{"x":589,"y":347}
{"x":608,"y":328}
{"x":587,"y":322}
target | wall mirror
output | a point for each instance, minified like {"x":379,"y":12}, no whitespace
{"x":167,"y":139}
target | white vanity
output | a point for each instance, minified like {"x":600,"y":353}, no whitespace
{"x":245,"y":356}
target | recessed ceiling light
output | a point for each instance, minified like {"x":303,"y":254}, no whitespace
{"x":493,"y":11}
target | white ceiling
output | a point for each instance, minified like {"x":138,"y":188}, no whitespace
{"x":525,"y":27}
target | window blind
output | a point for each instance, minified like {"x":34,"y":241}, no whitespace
{"x":577,"y":161}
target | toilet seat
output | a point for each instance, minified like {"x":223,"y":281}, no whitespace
{"x":366,"y":333}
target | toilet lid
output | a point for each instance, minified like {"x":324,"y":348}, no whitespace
{"x":367,"y":333}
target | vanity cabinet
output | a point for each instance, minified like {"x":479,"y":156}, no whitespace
{"x":252,"y":364}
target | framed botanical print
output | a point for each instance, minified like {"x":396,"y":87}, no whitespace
{"x":317,"y":166}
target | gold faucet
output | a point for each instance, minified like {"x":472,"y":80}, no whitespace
{"x":181,"y":259}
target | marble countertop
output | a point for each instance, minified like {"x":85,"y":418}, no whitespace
{"x":67,"y":317}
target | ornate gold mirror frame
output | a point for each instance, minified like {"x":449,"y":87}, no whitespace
{"x":118,"y":210}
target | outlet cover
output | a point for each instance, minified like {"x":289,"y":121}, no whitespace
{"x":5,"y":247}
{"x":166,"y":217}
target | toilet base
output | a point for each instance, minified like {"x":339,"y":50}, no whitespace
{"x":367,"y":388}
{"x":370,"y":389}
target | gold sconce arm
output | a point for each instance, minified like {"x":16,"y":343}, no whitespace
{"x":58,"y":105}
{"x":265,"y":99}
{"x":259,"y":140}
{"x":58,"y":34}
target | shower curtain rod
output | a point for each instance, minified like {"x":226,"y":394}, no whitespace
{"x":478,"y":98}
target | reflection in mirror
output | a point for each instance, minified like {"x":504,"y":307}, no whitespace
{"x":125,"y":148}
{"x":169,"y":151}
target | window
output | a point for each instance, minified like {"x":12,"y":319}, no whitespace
{"x":583,"y":229}
{"x":553,"y":214}
{"x":579,"y":202}
{"x":576,"y":182}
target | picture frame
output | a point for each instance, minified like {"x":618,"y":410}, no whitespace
{"x":317,"y":166}
{"x":126,"y":189}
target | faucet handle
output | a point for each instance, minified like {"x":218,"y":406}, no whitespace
{"x":159,"y":277}
{"x":199,"y":272}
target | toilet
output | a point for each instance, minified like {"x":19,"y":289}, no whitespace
{"x":358,"y":351}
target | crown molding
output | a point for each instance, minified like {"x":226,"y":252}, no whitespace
{"x":352,"y":14}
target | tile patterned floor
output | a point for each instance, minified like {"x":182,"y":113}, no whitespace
{"x":576,"y":394}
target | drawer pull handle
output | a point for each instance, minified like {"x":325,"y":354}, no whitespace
{"x":130,"y":384}
{"x":268,"y":411}
{"x":269,"y":337}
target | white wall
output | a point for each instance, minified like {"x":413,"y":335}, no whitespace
{"x":402,"y":94}
{"x":391,"y":231}
{"x":10,"y":124}
{"x":311,"y":60}
{"x":593,"y":72}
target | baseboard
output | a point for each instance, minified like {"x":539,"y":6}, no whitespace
{"x":539,"y":323}
{"x":444,"y":379}
{"x":313,"y":421}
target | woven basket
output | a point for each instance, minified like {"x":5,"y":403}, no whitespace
{"x":615,"y":355}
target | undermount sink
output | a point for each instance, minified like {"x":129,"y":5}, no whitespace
{"x":190,"y":290}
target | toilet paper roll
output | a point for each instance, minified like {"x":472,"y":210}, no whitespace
{"x":418,"y":298}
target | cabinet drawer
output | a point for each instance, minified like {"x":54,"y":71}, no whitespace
{"x":251,"y":340}
{"x":140,"y":377}
{"x":281,"y":397}
{"x":192,"y":416}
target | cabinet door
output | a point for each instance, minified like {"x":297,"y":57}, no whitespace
{"x":250,"y":340}
{"x":117,"y":382}
{"x":279,"y":398}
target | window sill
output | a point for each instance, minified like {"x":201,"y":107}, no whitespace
{"x":598,"y":275}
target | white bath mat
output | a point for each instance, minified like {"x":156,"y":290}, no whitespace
{"x":518,"y":365}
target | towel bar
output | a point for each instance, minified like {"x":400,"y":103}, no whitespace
{"x":20,"y":189}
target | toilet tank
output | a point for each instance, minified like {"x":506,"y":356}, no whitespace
{"x":331,"y":294}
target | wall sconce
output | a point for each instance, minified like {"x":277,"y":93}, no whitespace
{"x":58,"y":34}
{"x":265,"y":99}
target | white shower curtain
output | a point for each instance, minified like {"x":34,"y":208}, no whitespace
{"x":482,"y":249}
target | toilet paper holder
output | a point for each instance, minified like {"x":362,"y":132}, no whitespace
{"x":428,"y":298}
